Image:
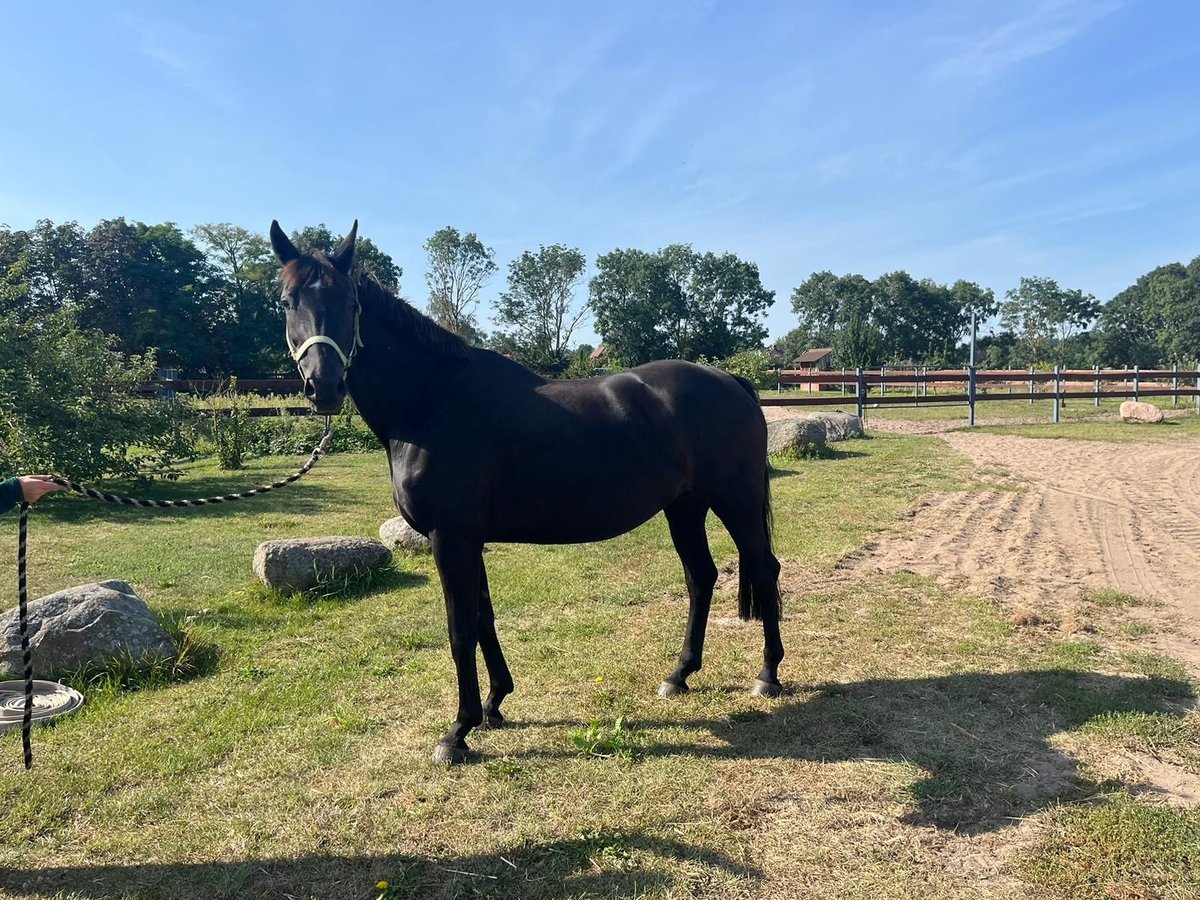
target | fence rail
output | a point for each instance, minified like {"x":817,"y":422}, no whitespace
{"x":971,"y":385}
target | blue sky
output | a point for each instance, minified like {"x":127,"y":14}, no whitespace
{"x":975,"y":140}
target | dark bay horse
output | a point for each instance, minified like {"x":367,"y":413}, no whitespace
{"x":481,"y":449}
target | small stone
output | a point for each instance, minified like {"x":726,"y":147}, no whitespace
{"x":300,"y":564}
{"x":1138,"y":412}
{"x":397,"y":534}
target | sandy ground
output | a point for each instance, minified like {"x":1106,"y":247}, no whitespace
{"x":1065,"y":517}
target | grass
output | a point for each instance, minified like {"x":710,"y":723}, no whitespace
{"x":292,"y":760}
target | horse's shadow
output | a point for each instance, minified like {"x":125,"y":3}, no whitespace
{"x":980,"y":740}
{"x":608,"y":864}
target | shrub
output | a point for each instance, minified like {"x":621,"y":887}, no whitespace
{"x":753,"y":365}
{"x":69,"y":405}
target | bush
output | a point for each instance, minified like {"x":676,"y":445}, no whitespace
{"x":753,"y":365}
{"x":69,"y":405}
{"x":230,"y":427}
{"x":286,"y":435}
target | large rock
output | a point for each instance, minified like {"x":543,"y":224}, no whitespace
{"x":84,"y":625}
{"x":397,"y":534}
{"x":794,"y":437}
{"x":298,"y":564}
{"x":1136,"y":412}
{"x":838,"y":425}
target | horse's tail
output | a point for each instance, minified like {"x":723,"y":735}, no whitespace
{"x":751,"y":602}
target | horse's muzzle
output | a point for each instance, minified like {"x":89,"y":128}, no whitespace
{"x":326,"y":400}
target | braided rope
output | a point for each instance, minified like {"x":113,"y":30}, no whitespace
{"x":22,"y":545}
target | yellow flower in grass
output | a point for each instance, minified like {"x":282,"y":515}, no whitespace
{"x":382,"y":886}
{"x":599,"y":679}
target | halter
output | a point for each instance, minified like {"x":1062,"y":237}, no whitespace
{"x":298,"y":352}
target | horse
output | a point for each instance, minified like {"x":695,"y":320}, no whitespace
{"x":481,"y":449}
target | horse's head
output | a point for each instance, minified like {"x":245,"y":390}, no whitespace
{"x":322,"y":309}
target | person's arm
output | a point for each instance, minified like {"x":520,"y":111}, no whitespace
{"x":10,"y":494}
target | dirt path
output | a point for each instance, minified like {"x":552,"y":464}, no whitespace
{"x":1063,"y":518}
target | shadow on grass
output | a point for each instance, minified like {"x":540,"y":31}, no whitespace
{"x":981,"y":739}
{"x":309,"y":495}
{"x":603,"y":864}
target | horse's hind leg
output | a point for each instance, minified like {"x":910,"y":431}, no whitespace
{"x":500,"y":679}
{"x":758,"y":588}
{"x":686,"y":519}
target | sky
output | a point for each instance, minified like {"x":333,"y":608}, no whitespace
{"x":975,"y":140}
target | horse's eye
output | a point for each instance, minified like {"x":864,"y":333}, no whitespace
{"x":288,"y":301}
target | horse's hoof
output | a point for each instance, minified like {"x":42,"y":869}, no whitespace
{"x":769,"y":689}
{"x":447,"y":755}
{"x":493,"y":720}
{"x":671,"y":689}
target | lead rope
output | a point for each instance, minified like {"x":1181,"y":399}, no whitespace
{"x":22,"y":542}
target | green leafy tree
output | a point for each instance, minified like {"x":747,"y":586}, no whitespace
{"x":537,"y":313}
{"x":1045,"y":316}
{"x":1173,"y":306}
{"x":69,"y":404}
{"x":678,"y":303}
{"x":247,"y":333}
{"x":151,"y":287}
{"x":459,"y":267}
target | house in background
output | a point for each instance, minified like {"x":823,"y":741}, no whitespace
{"x":819,"y":359}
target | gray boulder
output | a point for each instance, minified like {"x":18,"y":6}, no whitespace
{"x":1137,"y":412}
{"x":299,"y":564}
{"x":397,"y":534}
{"x":794,"y":437}
{"x":838,"y":425}
{"x":82,"y":625}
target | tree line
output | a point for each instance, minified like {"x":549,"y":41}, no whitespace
{"x":206,"y":301}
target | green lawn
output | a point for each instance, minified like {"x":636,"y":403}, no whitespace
{"x":294,"y":762}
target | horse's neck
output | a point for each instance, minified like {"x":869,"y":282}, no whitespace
{"x":395,"y":380}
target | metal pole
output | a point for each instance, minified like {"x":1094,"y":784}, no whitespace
{"x":843,"y":382}
{"x":1031,"y":391}
{"x":1097,"y":385}
{"x":1057,"y":390}
{"x":860,"y":391}
{"x":971,"y":396}
{"x":1136,"y":383}
{"x":1175,"y":383}
{"x":882,"y":382}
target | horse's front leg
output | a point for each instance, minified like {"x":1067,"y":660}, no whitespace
{"x":460,"y":566}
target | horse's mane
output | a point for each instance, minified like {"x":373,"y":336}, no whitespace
{"x":378,"y":301}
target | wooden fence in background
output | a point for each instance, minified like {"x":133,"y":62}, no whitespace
{"x":968,"y":386}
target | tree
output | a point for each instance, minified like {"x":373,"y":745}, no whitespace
{"x":248,"y":334}
{"x":41,"y":270}
{"x":537,"y":309}
{"x":459,"y":267}
{"x":150,"y":286}
{"x":678,"y":303}
{"x":367,"y":256}
{"x":1044,"y":316}
{"x":1173,"y":305}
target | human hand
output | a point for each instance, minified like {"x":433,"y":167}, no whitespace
{"x":34,"y":487}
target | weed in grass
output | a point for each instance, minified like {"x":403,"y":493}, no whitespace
{"x":605,"y":741}
{"x":251,"y":672}
{"x":414,"y":640}
{"x":502,"y":769}
{"x":385,"y":670}
{"x":1109,"y":598}
{"x":1073,"y":654}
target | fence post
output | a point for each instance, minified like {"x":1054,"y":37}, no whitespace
{"x":1175,"y":383}
{"x":971,"y":396}
{"x":843,"y":382}
{"x":1057,"y":389}
{"x":860,"y":391}
{"x":1097,"y":385}
{"x":1136,"y":383}
{"x":882,"y":381}
{"x":1031,"y":390}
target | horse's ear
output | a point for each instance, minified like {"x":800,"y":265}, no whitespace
{"x":343,"y":256}
{"x":285,"y":250}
